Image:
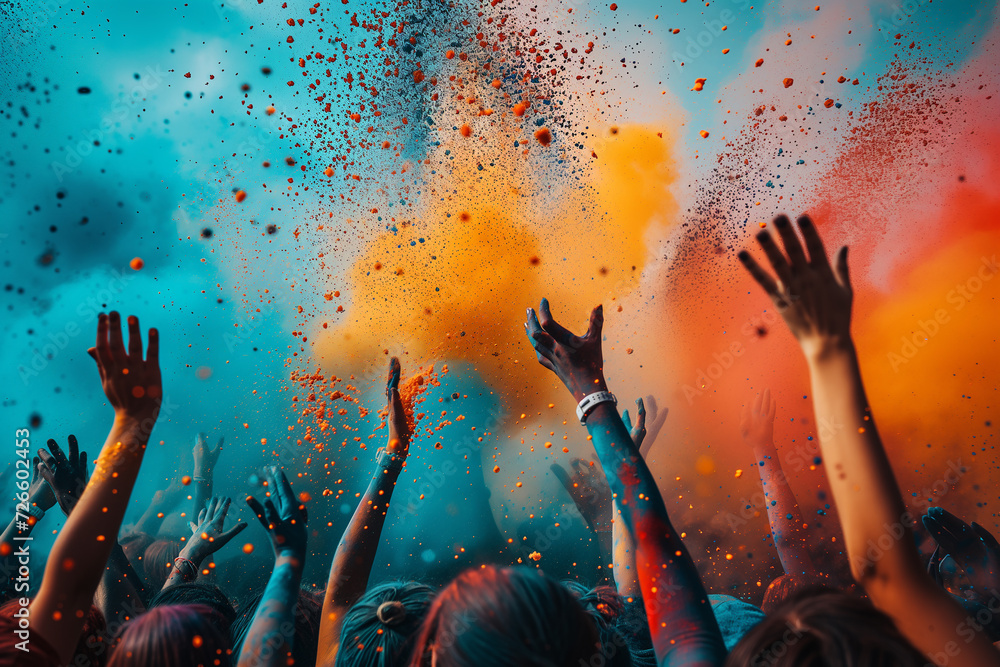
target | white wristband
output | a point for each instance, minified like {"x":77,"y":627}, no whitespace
{"x":589,"y":402}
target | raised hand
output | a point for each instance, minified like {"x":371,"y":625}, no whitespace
{"x":576,"y":360}
{"x":66,"y":475}
{"x":814,"y":300}
{"x":209,"y":534}
{"x":205,"y":456}
{"x":399,"y":428}
{"x":589,"y":490}
{"x":757,"y":421}
{"x":131,"y":383}
{"x":282,"y":515}
{"x":972,"y":547}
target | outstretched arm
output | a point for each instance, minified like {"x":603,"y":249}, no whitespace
{"x":680,"y":617}
{"x":787,"y":525}
{"x":269,"y":642}
{"x":815,"y":302}
{"x":352,"y":563}
{"x":78,"y":557}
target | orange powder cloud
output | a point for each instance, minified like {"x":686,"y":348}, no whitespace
{"x":456,"y":287}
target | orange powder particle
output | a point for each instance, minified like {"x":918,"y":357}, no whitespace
{"x":496,"y":83}
{"x":788,"y":82}
{"x":465,"y":130}
{"x":449,"y":55}
{"x":760,"y":61}
{"x":136,"y":263}
{"x":613,"y":7}
{"x":269,"y":111}
{"x":520,"y":108}
{"x":725,"y":51}
{"x":543,"y":136}
{"x":328,"y":171}
{"x":418,"y":76}
{"x":828,"y":103}
{"x":240,"y":195}
{"x":704,"y":134}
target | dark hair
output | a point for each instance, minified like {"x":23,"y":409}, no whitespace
{"x":195,"y":592}
{"x":173,"y":636}
{"x":820,"y":627}
{"x":308,"y":613}
{"x":380,"y":628}
{"x":514,"y":616}
{"x":607,"y":607}
{"x":158,"y":562}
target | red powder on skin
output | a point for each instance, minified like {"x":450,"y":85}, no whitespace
{"x":543,"y":136}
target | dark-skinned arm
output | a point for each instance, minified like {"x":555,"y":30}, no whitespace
{"x":268,"y":644}
{"x":680,"y":617}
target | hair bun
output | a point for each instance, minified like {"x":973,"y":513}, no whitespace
{"x":391,"y":613}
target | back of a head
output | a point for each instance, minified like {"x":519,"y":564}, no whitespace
{"x":134,"y":545}
{"x":824,"y":628}
{"x":194,"y":592}
{"x":380,"y":628}
{"x":172,"y":636}
{"x":158,"y":562}
{"x":308,"y":613}
{"x":514,"y":616}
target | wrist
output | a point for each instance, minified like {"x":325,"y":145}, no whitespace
{"x":824,"y":350}
{"x":193,"y":552}
{"x":588,"y":386}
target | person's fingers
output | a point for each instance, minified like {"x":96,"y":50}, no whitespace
{"x":796,"y":255}
{"x":83,"y":466}
{"x":218,"y":447}
{"x":201,"y":519}
{"x":271,"y":514}
{"x":224,"y":538}
{"x":556,"y":330}
{"x":986,"y":536}
{"x":287,"y":496}
{"x":395,"y":370}
{"x":765,"y":401}
{"x":772,"y":409}
{"x":153,"y":347}
{"x":755,"y":410}
{"x":199,"y":440}
{"x":627,"y":421}
{"x":102,"y":346}
{"x":562,"y":476}
{"x":223,"y":509}
{"x":814,"y":244}
{"x":258,"y":511}
{"x":581,"y":467}
{"x":74,"y":450}
{"x":762,"y":277}
{"x":303,"y":513}
{"x":651,"y":406}
{"x":57,"y":453}
{"x":134,"y":338}
{"x":47,"y":458}
{"x":115,"y":339}
{"x":596,"y":323}
{"x":843,"y":273}
{"x":193,"y":526}
{"x":639,"y":431}
{"x":36,"y":463}
{"x":47,"y":474}
{"x":774,"y":255}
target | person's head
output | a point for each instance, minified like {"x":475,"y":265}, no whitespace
{"x":158,"y":562}
{"x":825,"y":628}
{"x":195,"y":592}
{"x":173,"y":636}
{"x":606,"y":606}
{"x":379,"y":629}
{"x":513,"y":616}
